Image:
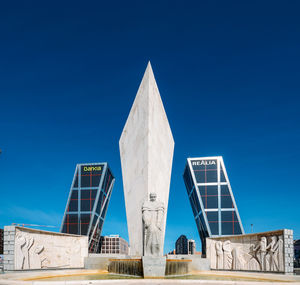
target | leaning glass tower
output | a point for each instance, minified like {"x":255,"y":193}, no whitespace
{"x":211,"y":198}
{"x":88,"y":200}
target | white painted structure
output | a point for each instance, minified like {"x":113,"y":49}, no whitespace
{"x":146,"y":149}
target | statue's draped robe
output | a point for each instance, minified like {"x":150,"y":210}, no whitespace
{"x":153,"y":217}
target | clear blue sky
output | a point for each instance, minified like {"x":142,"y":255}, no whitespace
{"x":228,"y":74}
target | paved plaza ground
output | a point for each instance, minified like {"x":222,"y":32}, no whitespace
{"x":209,"y":277}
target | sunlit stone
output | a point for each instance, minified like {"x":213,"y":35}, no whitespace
{"x":146,"y":149}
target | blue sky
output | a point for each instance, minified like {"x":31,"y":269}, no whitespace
{"x":228,"y":74}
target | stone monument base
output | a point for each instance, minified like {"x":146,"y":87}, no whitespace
{"x":154,"y":266}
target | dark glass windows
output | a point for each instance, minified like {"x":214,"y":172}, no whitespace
{"x":195,"y":203}
{"x":84,"y":223}
{"x":100,"y":202}
{"x":205,"y":170}
{"x":91,"y":175}
{"x":73,"y":204}
{"x":90,"y":183}
{"x":209,"y":195}
{"x":226,"y":199}
{"x":211,"y":198}
{"x":71,"y":223}
{"x":222,"y":175}
{"x":87,"y":199}
{"x":230,"y":224}
{"x":213,"y":221}
{"x":188,"y":180}
{"x":107,"y":181}
{"x":76,"y":181}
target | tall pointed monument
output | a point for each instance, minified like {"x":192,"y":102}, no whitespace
{"x":146,"y":149}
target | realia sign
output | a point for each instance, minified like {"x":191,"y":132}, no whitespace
{"x":204,"y":162}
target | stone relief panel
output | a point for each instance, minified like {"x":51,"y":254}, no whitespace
{"x":254,"y":252}
{"x":36,"y":249}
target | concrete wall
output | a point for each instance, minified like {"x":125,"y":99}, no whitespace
{"x":101,"y":261}
{"x":268,"y":252}
{"x":197,"y":262}
{"x":26,"y":249}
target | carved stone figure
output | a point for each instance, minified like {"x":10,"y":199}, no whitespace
{"x":253,"y":252}
{"x":219,"y":252}
{"x":36,"y":261}
{"x":22,"y":245}
{"x":227,"y":248}
{"x":25,"y":249}
{"x":153,"y":216}
{"x":239,"y":258}
{"x":271,"y":258}
{"x":261,"y":250}
{"x":253,"y":263}
{"x":279,"y":254}
{"x":20,"y":241}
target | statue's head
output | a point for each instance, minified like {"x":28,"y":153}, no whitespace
{"x":152,"y":197}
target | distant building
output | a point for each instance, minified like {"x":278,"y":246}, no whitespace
{"x":184,"y":246}
{"x":191,"y":246}
{"x":113,"y":244}
{"x":1,"y":240}
{"x":87,"y":203}
{"x":297,"y":253}
{"x":181,"y":245}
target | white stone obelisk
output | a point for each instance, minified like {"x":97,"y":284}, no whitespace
{"x":146,"y":149}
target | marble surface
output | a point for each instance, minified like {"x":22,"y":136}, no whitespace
{"x":267,"y":252}
{"x":153,"y":215}
{"x":146,"y":150}
{"x":154,"y":266}
{"x":35,"y":249}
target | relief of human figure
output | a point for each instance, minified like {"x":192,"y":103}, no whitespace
{"x":272,"y":258}
{"x":20,"y":241}
{"x":239,"y":258}
{"x":23,"y":245}
{"x":227,"y":248}
{"x":279,"y":254}
{"x":253,"y":264}
{"x":219,"y":253}
{"x":25,"y":249}
{"x":36,"y":261}
{"x":153,"y":217}
{"x":261,"y":250}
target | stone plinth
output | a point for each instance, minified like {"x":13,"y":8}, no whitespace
{"x":146,"y":150}
{"x":267,"y":252}
{"x":154,"y":266}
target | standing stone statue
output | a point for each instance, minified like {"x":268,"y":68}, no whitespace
{"x":153,"y":217}
{"x":146,"y":150}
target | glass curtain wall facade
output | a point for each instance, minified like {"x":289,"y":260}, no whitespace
{"x":181,"y":245}
{"x":87,"y":203}
{"x":211,"y":198}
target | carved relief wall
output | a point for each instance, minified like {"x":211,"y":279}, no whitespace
{"x":268,"y":251}
{"x":36,"y":249}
